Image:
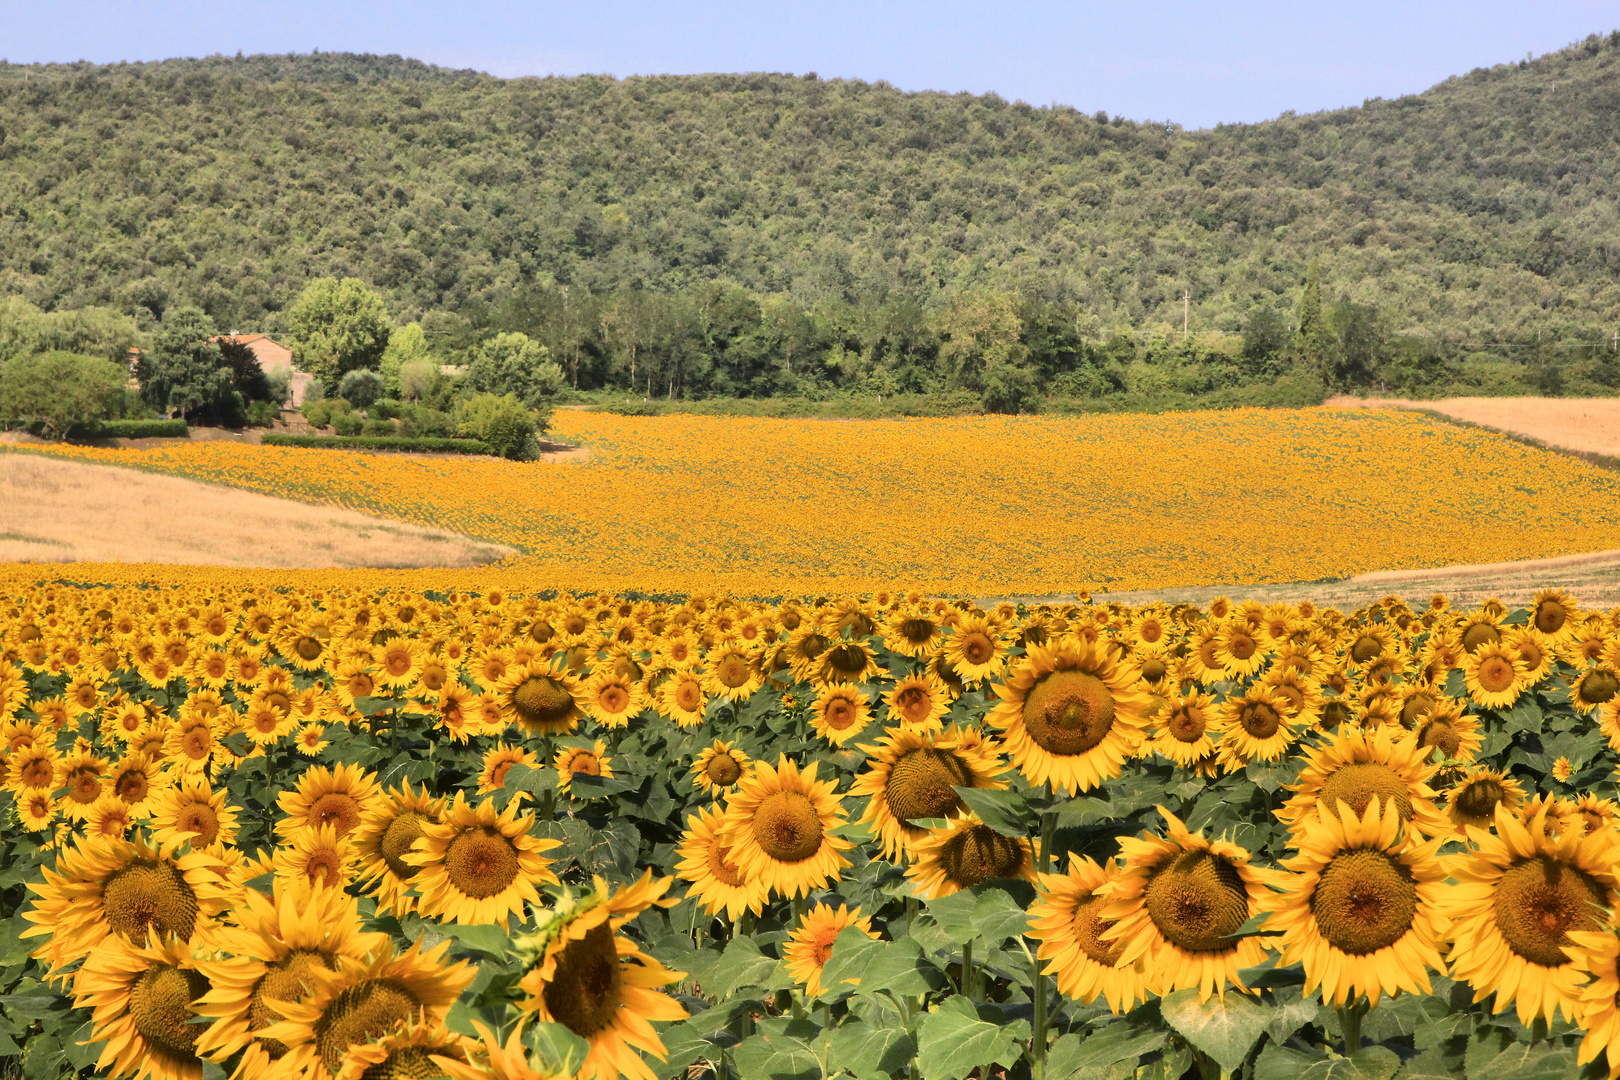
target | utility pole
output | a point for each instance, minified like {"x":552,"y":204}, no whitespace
{"x":1186,"y":309}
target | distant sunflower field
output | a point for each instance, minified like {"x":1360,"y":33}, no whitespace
{"x":277,"y":833}
{"x":993,"y":507}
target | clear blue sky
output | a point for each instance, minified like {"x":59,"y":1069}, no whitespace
{"x":1195,"y":63}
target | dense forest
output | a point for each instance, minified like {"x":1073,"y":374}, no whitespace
{"x":772,"y":234}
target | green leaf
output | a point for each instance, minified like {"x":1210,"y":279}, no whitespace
{"x":693,"y":1040}
{"x":1286,"y":1063}
{"x":1495,"y":1055}
{"x":742,"y":965}
{"x":779,"y":1051}
{"x":997,"y":916}
{"x":80,"y":1049}
{"x":869,"y":1051}
{"x":1525,"y":715}
{"x":1112,"y":1051}
{"x":1224,"y":1028}
{"x":1004,"y":811}
{"x":953,"y":1041}
{"x":1433,"y":1065}
{"x":853,"y":953}
{"x":561,"y":1050}
{"x":901,"y":969}
{"x":485,"y":939}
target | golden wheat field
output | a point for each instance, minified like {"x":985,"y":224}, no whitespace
{"x":973,"y":506}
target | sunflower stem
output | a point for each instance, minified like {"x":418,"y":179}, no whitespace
{"x":1538,"y":1030}
{"x":1037,"y":1043}
{"x":1350,"y":1017}
{"x":966,"y":986}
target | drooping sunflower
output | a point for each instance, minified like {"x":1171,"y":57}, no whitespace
{"x":193,"y":809}
{"x":839,"y":713}
{"x":913,"y":633}
{"x":1065,"y":919}
{"x":590,"y":760}
{"x":1519,"y":894}
{"x":1495,"y":675}
{"x":267,"y":956}
{"x":1176,"y":905}
{"x":717,"y":881}
{"x":387,"y":833}
{"x":1596,"y":686}
{"x":809,"y":947}
{"x":913,"y":776}
{"x":339,"y":797}
{"x":1474,"y":798}
{"x":1595,"y":954}
{"x":1187,"y":730}
{"x":102,"y":887}
{"x":498,"y":761}
{"x":407,"y":1052}
{"x":1357,"y":767}
{"x":965,"y":853}
{"x":918,"y":701}
{"x":597,"y":983}
{"x":779,"y":826}
{"x":1072,"y":714}
{"x":357,"y":1003}
{"x":1360,"y":906}
{"x":477,"y":866}
{"x":541,"y":697}
{"x":142,"y":1000}
{"x":718,"y":768}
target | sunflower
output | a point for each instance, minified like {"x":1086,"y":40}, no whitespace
{"x":193,"y":809}
{"x":586,"y":976}
{"x":1554,"y":612}
{"x":918,"y":701}
{"x":807,"y":949}
{"x":31,"y":767}
{"x":683,"y":699}
{"x":1258,"y":726}
{"x":1237,"y":649}
{"x":779,"y":826}
{"x":541,"y":697}
{"x":192,"y":743}
{"x":477,"y":867}
{"x":490,"y":1060}
{"x":581,"y":760}
{"x":36,"y":810}
{"x":914,"y":775}
{"x":965,"y":853}
{"x":132,"y":888}
{"x":1536,"y":653}
{"x":498,"y":761}
{"x":1597,"y":685}
{"x":1519,"y":893}
{"x":1071,"y":714}
{"x":109,"y":818}
{"x":338,"y":797}
{"x":1595,"y":954}
{"x":1360,"y":908}
{"x":386,"y":834}
{"x":1359,"y":767}
{"x":718,"y":768}
{"x":1187,"y":730}
{"x":1450,"y":732}
{"x":975,"y":649}
{"x":731,"y":670}
{"x":267,"y":956}
{"x":407,"y":1052}
{"x":142,"y":1000}
{"x":1495,"y":675}
{"x":357,"y":1003}
{"x":1177,"y":903}
{"x":1474,"y":799}
{"x":317,"y":855}
{"x":267,"y":725}
{"x":839,"y":712}
{"x":309,"y":740}
{"x":912,"y":633}
{"x":613,"y":699}
{"x":1065,"y":919}
{"x":717,"y":882}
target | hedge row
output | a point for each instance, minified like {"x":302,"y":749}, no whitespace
{"x":131,"y":429}
{"x":367,"y":442}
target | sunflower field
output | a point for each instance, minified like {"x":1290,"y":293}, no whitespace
{"x":973,"y":506}
{"x":275,"y":833}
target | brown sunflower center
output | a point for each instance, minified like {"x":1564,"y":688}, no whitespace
{"x":917,"y":631}
{"x":481,"y":862}
{"x":922,"y":784}
{"x":787,"y":827}
{"x":1478,"y":798}
{"x":397,"y":840}
{"x":1334,"y":713}
{"x":1538,"y":901}
{"x":131,"y":785}
{"x":723,"y":770}
{"x":847,"y":660}
{"x":1241,"y":645}
{"x":584,"y":992}
{"x":85,"y":784}
{"x":1068,"y":712}
{"x":288,"y":980}
{"x":1088,"y":930}
{"x":1442,"y":735}
{"x":540,"y":699}
{"x":688,"y":695}
{"x":1550,"y":616}
{"x":37,"y":773}
{"x":1187,"y":724}
{"x":359,"y":1014}
{"x":613,"y":698}
{"x":1417,"y":707}
{"x":914,"y":703}
{"x":1495,"y":674}
{"x":412,"y":1063}
{"x":1479,"y":634}
{"x":199,"y":818}
{"x":722,"y":867}
{"x":308,"y":647}
{"x":583,"y":761}
{"x":338,"y":809}
{"x":1358,"y":783}
{"x":1366,"y":649}
{"x":1197,"y":900}
{"x":840,"y":713}
{"x":1153,"y":669}
{"x":1364,"y":901}
{"x":279,"y":702}
{"x":1599,"y":686}
{"x":732,"y":671}
{"x":160,"y":1006}
{"x":1259,"y":719}
{"x":148,"y":895}
{"x":978,"y":853}
{"x":977,"y":648}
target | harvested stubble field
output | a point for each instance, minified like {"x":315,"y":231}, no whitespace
{"x":971,"y":506}
{"x":1581,"y":425}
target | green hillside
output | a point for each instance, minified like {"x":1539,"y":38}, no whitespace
{"x":1481,"y":211}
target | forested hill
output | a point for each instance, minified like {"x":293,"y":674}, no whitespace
{"x":1482,"y":208}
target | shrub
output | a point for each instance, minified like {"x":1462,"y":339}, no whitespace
{"x":361,"y":388}
{"x":378,"y":428}
{"x":503,"y":423}
{"x":385,"y":409}
{"x":347,"y":423}
{"x":56,"y":390}
{"x":279,"y":387}
{"x":262,"y":413}
{"x":416,"y":379}
{"x":133,"y":429}
{"x":317,"y":413}
{"x":433,"y":423}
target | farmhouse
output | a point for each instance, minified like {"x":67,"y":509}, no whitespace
{"x":273,"y":356}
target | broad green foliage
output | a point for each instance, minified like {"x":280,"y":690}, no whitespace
{"x":337,"y":327}
{"x":57,"y":390}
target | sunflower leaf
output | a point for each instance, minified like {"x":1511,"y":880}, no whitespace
{"x":1004,"y":811}
{"x":1226,"y":1028}
{"x":780,"y":1050}
{"x":1494,"y":1054}
{"x":1113,"y":1050}
{"x":742,"y":965}
{"x":559,"y":1049}
{"x":901,"y":969}
{"x":852,"y":953}
{"x":953,"y":1041}
{"x":870,"y":1051}
{"x":1285,"y":1063}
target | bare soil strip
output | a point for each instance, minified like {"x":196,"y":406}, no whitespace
{"x":68,"y":511}
{"x":1582,"y":425}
